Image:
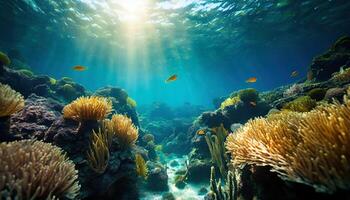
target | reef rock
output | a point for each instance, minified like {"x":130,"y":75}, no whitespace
{"x":36,"y":117}
{"x":157,"y":179}
{"x":323,"y":66}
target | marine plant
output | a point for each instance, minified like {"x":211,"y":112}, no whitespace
{"x":300,"y":104}
{"x":229,"y":102}
{"x":228,"y":192}
{"x":141,"y":167}
{"x":98,"y":153}
{"x":88,"y":108}
{"x":216,"y":144}
{"x":248,"y":95}
{"x":124,"y":130}
{"x":312,"y":148}
{"x":10,"y":101}
{"x":131,"y":102}
{"x":36,"y":170}
{"x":4,"y":59}
{"x":26,"y":72}
{"x":317,"y":93}
{"x":53,"y":81}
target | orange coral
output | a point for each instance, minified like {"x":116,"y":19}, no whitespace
{"x":123,"y":128}
{"x":36,"y":170}
{"x":88,"y":108}
{"x":10,"y":101}
{"x":311,"y":148}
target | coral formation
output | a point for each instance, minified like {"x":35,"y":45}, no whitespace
{"x":123,"y":129}
{"x":141,"y":167}
{"x":293,"y":90}
{"x":98,"y":154}
{"x":248,"y":95}
{"x":88,"y":108}
{"x":317,"y":93}
{"x":230,"y":102}
{"x":131,"y":102}
{"x":148,"y":138}
{"x":229,"y":192}
{"x":36,"y":170}
{"x":299,"y":147}
{"x":216,"y":144}
{"x":301,"y":104}
{"x":10,"y":101}
{"x":4,"y":59}
{"x":342,"y":75}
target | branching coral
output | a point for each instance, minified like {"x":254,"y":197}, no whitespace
{"x":311,"y":148}
{"x":88,"y":108}
{"x":123,"y":128}
{"x":36,"y":170}
{"x":98,"y":154}
{"x":230,"y":101}
{"x":301,"y":104}
{"x":10,"y":101}
{"x":141,"y":167}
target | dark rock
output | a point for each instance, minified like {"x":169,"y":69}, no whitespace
{"x":198,"y":171}
{"x":157,"y":179}
{"x":335,"y":93}
{"x":323,"y":66}
{"x":41,"y":90}
{"x":202,"y":191}
{"x":174,"y":163}
{"x":180,"y":181}
{"x":35,"y":118}
{"x":168,"y":196}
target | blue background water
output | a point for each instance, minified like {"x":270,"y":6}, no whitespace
{"x":209,"y":62}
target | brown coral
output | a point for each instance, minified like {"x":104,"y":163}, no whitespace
{"x":311,"y":148}
{"x":10,"y":101}
{"x":123,"y":128}
{"x":36,"y":170}
{"x":88,"y":108}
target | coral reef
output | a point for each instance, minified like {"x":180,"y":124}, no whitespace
{"x":301,"y":104}
{"x":131,"y":102}
{"x":293,"y":90}
{"x":323,"y":66}
{"x":229,"y":192}
{"x":285,"y":143}
{"x":88,"y":108}
{"x":248,"y":95}
{"x":157,"y":179}
{"x":36,"y":170}
{"x":317,"y":93}
{"x":124,"y":130}
{"x":231,"y":101}
{"x":141,"y":167}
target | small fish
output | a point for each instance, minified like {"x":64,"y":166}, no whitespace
{"x":171,"y":78}
{"x":252,"y":103}
{"x":79,"y":68}
{"x":200,"y":132}
{"x":294,"y":74}
{"x":251,"y":80}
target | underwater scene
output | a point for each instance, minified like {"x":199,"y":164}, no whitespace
{"x":174,"y":99}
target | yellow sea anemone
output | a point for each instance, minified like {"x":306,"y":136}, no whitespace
{"x":4,"y":59}
{"x":88,"y":108}
{"x":98,"y":154}
{"x":123,"y":128}
{"x":312,"y":148}
{"x":36,"y":170}
{"x":141,"y":167}
{"x":230,"y":101}
{"x":10,"y":101}
{"x":131,"y":102}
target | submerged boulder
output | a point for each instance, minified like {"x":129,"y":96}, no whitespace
{"x":157,"y":179}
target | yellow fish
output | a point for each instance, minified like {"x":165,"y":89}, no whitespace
{"x":79,"y":68}
{"x":294,"y":74}
{"x":171,"y":78}
{"x":251,"y":80}
{"x":200,"y":132}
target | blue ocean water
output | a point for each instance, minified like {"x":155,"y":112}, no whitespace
{"x":213,"y":46}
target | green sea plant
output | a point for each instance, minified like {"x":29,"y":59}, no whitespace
{"x":230,"y":101}
{"x":216,"y":144}
{"x":248,"y":95}
{"x":32,"y":169}
{"x":317,"y":93}
{"x":300,"y":104}
{"x":311,"y":148}
{"x":26,"y":72}
{"x":131,"y":102}
{"x":4,"y":59}
{"x":228,"y":192}
{"x":53,"y":81}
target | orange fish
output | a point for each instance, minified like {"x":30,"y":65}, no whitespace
{"x":171,"y":78}
{"x":200,"y":132}
{"x":251,"y":80}
{"x":294,"y":74}
{"x":79,"y":68}
{"x":252,"y":103}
